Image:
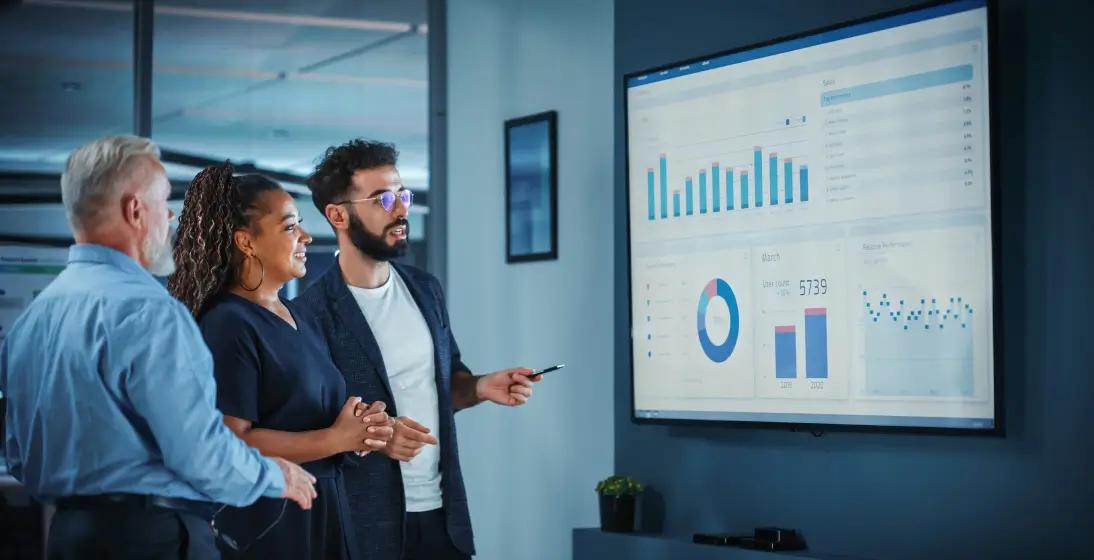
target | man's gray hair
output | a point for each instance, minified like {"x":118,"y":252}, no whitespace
{"x":95,"y":172}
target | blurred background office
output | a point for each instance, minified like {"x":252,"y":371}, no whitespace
{"x":269,"y":86}
{"x":267,"y":89}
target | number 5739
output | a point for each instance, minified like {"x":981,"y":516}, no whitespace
{"x":813,"y":287}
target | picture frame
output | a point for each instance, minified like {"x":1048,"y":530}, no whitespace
{"x":531,"y":188}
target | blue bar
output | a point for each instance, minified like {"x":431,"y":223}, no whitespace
{"x":816,"y":343}
{"x":786,"y":353}
{"x":649,"y":177}
{"x":809,"y":41}
{"x":729,"y":189}
{"x":664,"y":188}
{"x":773,"y":159}
{"x":758,"y":166}
{"x":676,"y":204}
{"x":803,"y":172}
{"x":788,"y":178}
{"x":903,"y":84}
{"x":702,"y":192}
{"x":744,"y":190}
{"x":715,"y":187}
{"x":689,"y":198}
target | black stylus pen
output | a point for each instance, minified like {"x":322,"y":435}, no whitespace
{"x":547,"y":370}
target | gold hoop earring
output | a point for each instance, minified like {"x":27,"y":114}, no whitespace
{"x":261,"y":278}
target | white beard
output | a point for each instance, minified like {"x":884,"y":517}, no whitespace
{"x":161,"y":260}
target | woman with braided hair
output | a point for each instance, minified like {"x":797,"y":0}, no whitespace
{"x":240,"y":240}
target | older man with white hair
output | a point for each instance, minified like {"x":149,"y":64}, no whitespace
{"x":111,"y":400}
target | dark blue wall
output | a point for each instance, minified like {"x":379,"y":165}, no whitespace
{"x":1029,"y":494}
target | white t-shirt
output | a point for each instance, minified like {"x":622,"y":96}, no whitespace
{"x":407,"y":348}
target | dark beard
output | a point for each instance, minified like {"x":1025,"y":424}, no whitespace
{"x":373,"y":245}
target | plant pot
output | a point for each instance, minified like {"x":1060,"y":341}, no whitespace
{"x":617,"y":513}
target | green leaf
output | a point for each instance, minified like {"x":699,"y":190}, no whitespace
{"x":619,"y":485}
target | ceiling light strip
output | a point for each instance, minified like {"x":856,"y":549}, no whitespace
{"x":235,"y":15}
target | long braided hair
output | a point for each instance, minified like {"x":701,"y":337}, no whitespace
{"x":216,"y":204}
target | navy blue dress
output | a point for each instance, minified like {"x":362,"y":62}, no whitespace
{"x":279,"y":378}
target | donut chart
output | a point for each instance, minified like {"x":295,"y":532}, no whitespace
{"x":718,"y":352}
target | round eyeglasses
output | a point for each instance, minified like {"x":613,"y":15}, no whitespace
{"x":387,"y":199}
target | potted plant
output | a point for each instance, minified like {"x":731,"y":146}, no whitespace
{"x":617,"y":496}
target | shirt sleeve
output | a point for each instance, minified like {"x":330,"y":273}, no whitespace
{"x":170,"y":384}
{"x":236,"y":364}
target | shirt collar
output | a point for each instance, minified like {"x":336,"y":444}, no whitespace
{"x":100,"y":254}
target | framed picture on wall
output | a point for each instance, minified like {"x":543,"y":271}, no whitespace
{"x":531,"y":188}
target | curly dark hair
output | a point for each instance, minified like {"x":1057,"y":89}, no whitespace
{"x":330,"y":182}
{"x":216,"y":204}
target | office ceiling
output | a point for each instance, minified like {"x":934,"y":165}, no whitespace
{"x":272,"y":83}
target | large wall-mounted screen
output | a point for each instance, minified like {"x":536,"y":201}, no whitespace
{"x":810,"y":228}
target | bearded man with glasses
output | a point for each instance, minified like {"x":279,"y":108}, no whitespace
{"x":388,"y":331}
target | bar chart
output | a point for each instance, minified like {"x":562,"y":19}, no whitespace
{"x":718,"y":189}
{"x":816,"y":343}
{"x":816,"y":346}
{"x":786,"y":352}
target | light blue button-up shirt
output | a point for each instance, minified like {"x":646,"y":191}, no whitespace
{"x":110,"y":389}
